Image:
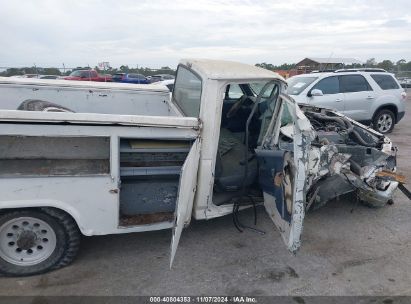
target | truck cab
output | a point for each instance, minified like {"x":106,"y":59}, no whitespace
{"x":236,"y":140}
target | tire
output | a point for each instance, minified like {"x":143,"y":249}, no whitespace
{"x":384,"y":121}
{"x":42,"y":106}
{"x":34,"y":241}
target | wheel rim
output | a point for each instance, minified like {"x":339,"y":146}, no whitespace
{"x":384,"y":123}
{"x":26,"y":241}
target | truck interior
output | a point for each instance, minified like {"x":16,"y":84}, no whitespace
{"x":244,"y":121}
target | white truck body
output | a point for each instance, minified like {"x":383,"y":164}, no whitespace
{"x":88,"y":97}
{"x":116,"y":173}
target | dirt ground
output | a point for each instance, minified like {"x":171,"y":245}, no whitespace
{"x":347,"y":249}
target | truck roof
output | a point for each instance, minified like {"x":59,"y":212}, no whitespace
{"x":226,"y":70}
{"x":82,"y":84}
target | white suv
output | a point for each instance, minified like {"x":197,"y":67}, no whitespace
{"x":370,"y":96}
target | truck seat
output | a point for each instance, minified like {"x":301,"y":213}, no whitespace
{"x":230,"y":164}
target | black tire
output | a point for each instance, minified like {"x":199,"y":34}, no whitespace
{"x":67,"y":241}
{"x":384,"y":121}
{"x":42,"y":106}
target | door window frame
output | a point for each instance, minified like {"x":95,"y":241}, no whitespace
{"x":339,"y":85}
{"x":350,"y":75}
{"x":173,"y":100}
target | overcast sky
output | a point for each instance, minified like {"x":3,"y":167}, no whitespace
{"x":158,"y":33}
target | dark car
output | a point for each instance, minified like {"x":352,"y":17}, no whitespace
{"x":161,"y":77}
{"x":130,"y":78}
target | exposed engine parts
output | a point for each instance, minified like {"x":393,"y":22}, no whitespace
{"x":353,"y":156}
{"x":341,"y":130}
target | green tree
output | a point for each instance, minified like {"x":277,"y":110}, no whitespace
{"x":387,"y":65}
{"x":371,"y":62}
{"x":124,"y":69}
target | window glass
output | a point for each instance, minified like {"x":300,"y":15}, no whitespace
{"x":298,"y":84}
{"x":187,"y":92}
{"x":386,"y":82}
{"x":85,"y":74}
{"x":256,"y":87}
{"x":286,"y":117}
{"x":353,"y":83}
{"x":76,"y":74}
{"x":235,"y":92}
{"x":329,"y":85}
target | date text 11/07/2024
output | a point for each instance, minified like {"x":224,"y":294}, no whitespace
{"x":204,"y":299}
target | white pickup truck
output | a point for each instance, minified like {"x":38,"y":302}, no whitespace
{"x":232,"y":140}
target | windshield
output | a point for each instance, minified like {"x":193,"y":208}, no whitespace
{"x":297,"y":84}
{"x":80,"y":73}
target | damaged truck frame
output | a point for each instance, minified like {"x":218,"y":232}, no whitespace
{"x":235,"y":139}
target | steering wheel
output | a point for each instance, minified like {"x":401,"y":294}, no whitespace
{"x":236,"y":106}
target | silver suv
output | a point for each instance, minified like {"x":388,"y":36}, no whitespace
{"x":370,"y":96}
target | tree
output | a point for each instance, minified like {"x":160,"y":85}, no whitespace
{"x":387,"y":65}
{"x":401,"y":62}
{"x":271,"y":67}
{"x":371,"y":62}
{"x":124,"y":69}
{"x":51,"y":71}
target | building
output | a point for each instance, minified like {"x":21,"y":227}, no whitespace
{"x":310,"y":64}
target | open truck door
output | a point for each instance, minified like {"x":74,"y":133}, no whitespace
{"x":186,"y":191}
{"x":283,"y":169}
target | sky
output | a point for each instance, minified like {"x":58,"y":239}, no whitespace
{"x":158,"y":33}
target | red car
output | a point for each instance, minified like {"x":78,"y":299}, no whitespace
{"x":88,"y":75}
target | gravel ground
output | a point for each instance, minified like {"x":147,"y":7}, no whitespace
{"x":348,"y":249}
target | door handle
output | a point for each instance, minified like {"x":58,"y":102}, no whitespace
{"x":338,"y":100}
{"x":370,"y":97}
{"x":113,"y":191}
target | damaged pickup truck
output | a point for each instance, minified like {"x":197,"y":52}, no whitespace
{"x":233,"y":140}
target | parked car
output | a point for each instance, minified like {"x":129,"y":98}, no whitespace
{"x":130,"y":78}
{"x":370,"y":96}
{"x":405,"y":82}
{"x":168,"y":83}
{"x":161,"y":77}
{"x":49,"y":77}
{"x":88,"y":75}
{"x":30,"y":76}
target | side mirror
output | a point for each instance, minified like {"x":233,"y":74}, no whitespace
{"x":315,"y":92}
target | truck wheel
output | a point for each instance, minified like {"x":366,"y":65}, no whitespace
{"x":384,"y":121}
{"x":42,"y":106}
{"x":33,"y":242}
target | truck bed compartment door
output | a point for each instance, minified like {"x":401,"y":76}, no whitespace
{"x":186,"y":192}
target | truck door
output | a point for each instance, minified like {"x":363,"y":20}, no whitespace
{"x":283,"y":161}
{"x":185,"y":198}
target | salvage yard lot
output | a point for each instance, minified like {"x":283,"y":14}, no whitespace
{"x":347,"y":249}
